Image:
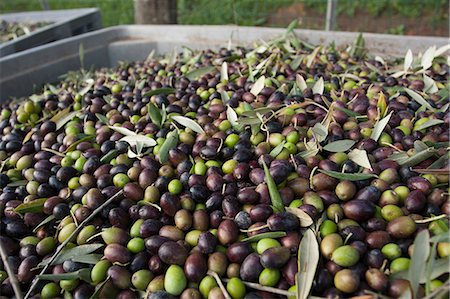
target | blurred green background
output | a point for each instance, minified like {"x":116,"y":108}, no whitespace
{"x":412,"y":17}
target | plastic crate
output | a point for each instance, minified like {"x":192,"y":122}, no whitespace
{"x":23,"y":72}
{"x":64,"y":23}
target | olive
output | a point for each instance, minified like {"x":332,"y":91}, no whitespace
{"x":172,"y":253}
{"x":376,"y":279}
{"x":283,"y":222}
{"x":236,"y":288}
{"x":206,"y":285}
{"x":120,"y":276}
{"x":401,"y":227}
{"x":237,"y":252}
{"x":227,"y":232}
{"x":269,"y":277}
{"x":207,"y":242}
{"x":190,"y":293}
{"x":346,"y":281}
{"x":140,"y":279}
{"x":345,"y":190}
{"x":217,"y":262}
{"x":415,"y":201}
{"x":345,"y":256}
{"x":251,"y":268}
{"x":216,"y":292}
{"x":329,"y":244}
{"x":27,"y":269}
{"x":275,"y":257}
{"x":359,"y":210}
{"x":116,"y":253}
{"x":99,"y":271}
{"x":195,"y":267}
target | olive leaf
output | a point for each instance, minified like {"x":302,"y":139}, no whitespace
{"x":100,"y":286}
{"x":430,"y":85}
{"x":123,"y":131}
{"x":418,"y":259}
{"x":260,"y":236}
{"x":311,"y":57}
{"x":165,"y":90}
{"x":308,"y":259}
{"x":348,"y":176}
{"x":277,"y":150}
{"x":360,"y":157}
{"x":423,"y":152}
{"x":73,"y":146}
{"x":275,"y":196}
{"x":301,"y":83}
{"x":309,"y":153}
{"x":408,"y":60}
{"x":225,"y":97}
{"x":109,"y":156}
{"x":348,"y":112}
{"x":43,"y":222}
{"x":320,"y":131}
{"x":102,"y":118}
{"x":318,"y":87}
{"x":34,"y":206}
{"x":18,"y":183}
{"x":91,"y":259}
{"x":224,"y":72}
{"x":305,"y":219}
{"x":155,"y":114}
{"x":232,"y":116}
{"x":339,"y":146}
{"x":69,"y":254}
{"x":429,"y":123}
{"x":63,"y":118}
{"x":382,"y":105}
{"x":419,"y":99}
{"x":170,"y":143}
{"x":134,"y":140}
{"x":428,"y":57}
{"x":188,"y":123}
{"x":89,"y":83}
{"x":442,"y":50}
{"x":295,"y":63}
{"x":84,"y":274}
{"x":379,"y":126}
{"x":358,"y":50}
{"x":258,"y":86}
{"x":195,"y":74}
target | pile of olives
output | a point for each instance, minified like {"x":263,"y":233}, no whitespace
{"x":193,"y":213}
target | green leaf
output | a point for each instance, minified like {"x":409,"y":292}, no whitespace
{"x":360,"y":157}
{"x":275,"y":196}
{"x":65,"y":119}
{"x":84,"y":274}
{"x":18,"y":183}
{"x":164,"y":90}
{"x":349,"y":112}
{"x":196,"y":74}
{"x":339,"y":146}
{"x":308,"y":259}
{"x":100,"y":286}
{"x":258,"y":237}
{"x":301,"y":83}
{"x":136,"y":139}
{"x":258,"y":86}
{"x":404,"y":159}
{"x":170,"y":143}
{"x":73,"y":146}
{"x":358,"y":49}
{"x":155,"y":114}
{"x":102,"y":118}
{"x":419,"y":99}
{"x":320,"y":131}
{"x":305,"y":219}
{"x":277,"y":150}
{"x":379,"y":127}
{"x":44,"y":222}
{"x":232,"y":116}
{"x":348,"y":176}
{"x":75,"y":252}
{"x":292,"y":25}
{"x":109,"y":156}
{"x":91,"y":259}
{"x":429,"y":123}
{"x":418,"y":259}
{"x":122,"y":130}
{"x":188,"y":123}
{"x":318,"y":86}
{"x":224,"y":72}
{"x":35,"y":206}
{"x":225,"y":97}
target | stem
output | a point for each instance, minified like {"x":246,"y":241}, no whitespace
{"x":431,"y":219}
{"x":61,"y":247}
{"x":254,"y":229}
{"x":219,"y":282}
{"x":266,"y":289}
{"x":12,"y":277}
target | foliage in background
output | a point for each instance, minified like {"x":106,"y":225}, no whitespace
{"x":253,"y":12}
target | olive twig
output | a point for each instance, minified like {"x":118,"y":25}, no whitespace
{"x":61,"y":247}
{"x":266,"y":289}
{"x":219,"y":282}
{"x":12,"y":277}
{"x":431,"y":219}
